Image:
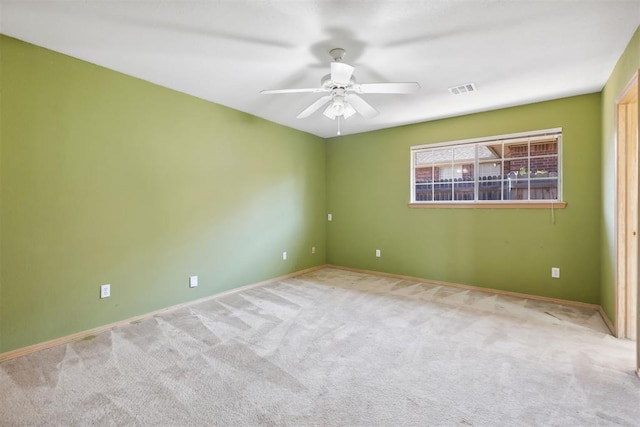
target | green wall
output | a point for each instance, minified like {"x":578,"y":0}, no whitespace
{"x":105,"y":178}
{"x":110,"y":179}
{"x":627,"y":65}
{"x":510,"y":249}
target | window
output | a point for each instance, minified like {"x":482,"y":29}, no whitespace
{"x":519,"y":168}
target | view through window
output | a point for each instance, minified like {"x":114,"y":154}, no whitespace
{"x":509,"y":168}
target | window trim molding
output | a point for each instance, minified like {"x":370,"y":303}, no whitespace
{"x":491,"y":204}
{"x":508,"y":136}
{"x":488,"y":205}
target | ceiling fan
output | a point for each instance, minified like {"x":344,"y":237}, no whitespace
{"x":343,"y":93}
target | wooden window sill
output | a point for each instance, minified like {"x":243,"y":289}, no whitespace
{"x":489,"y":205}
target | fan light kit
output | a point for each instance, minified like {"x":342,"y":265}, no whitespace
{"x":343,"y":93}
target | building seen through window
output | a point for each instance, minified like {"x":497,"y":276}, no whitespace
{"x":516,"y":168}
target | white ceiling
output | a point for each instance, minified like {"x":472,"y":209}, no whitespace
{"x":226,"y":51}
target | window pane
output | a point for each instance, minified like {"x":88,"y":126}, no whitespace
{"x":516,"y":149}
{"x":442,"y":189}
{"x":424,"y":174}
{"x":510,"y":184}
{"x":465,"y":153}
{"x":490,"y":151}
{"x":490,"y":188}
{"x":449,"y":172}
{"x":544,"y":148}
{"x":518,"y":163}
{"x":521,"y":168}
{"x":492,"y":168}
{"x":544,"y":188}
{"x":424,"y":192}
{"x":464,"y":184}
{"x":437,"y":156}
{"x":545,"y":164}
{"x":421,"y":158}
{"x":518,"y":188}
{"x":464,"y":190}
{"x":423,"y":178}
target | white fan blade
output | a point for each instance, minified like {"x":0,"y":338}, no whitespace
{"x":314,"y":107}
{"x":303,"y":90}
{"x":341,"y":73}
{"x":408,"y":87}
{"x":361,"y":106}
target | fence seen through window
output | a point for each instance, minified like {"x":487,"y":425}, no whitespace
{"x":513,"y":168}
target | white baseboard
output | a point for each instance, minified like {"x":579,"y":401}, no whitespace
{"x":569,"y":303}
{"x":95,"y":331}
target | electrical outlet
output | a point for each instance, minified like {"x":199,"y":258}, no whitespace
{"x":555,"y":272}
{"x":105,"y":291}
{"x":313,"y":249}
{"x":284,"y":256}
{"x":378,"y":253}
{"x":329,"y":217}
{"x":193,"y":281}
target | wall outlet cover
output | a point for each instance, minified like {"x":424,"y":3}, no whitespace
{"x":105,"y":291}
{"x":193,"y":281}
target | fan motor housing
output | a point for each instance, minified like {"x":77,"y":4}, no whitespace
{"x":329,"y":84}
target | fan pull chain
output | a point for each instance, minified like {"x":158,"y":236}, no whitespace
{"x":338,"y":125}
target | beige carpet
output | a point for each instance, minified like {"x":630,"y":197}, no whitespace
{"x":336,"y":348}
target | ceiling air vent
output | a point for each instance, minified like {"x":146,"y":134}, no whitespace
{"x":465,"y":88}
